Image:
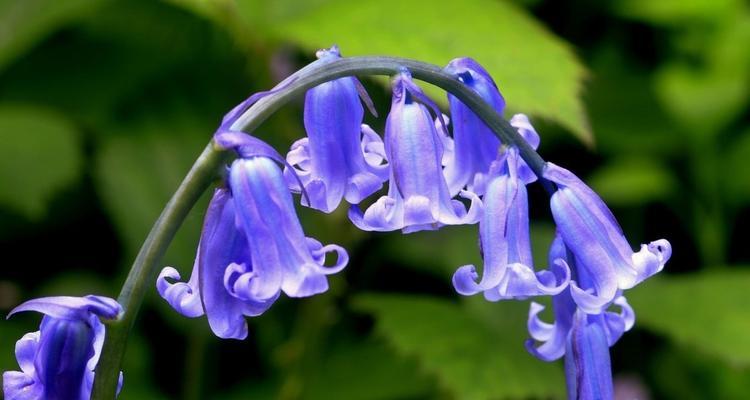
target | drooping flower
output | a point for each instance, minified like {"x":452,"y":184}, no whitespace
{"x":223,"y":248}
{"x":58,"y":361}
{"x":588,"y":372}
{"x":594,"y":237}
{"x":340,"y":157}
{"x":475,"y":146}
{"x":418,"y":197}
{"x":283,"y":258}
{"x":554,"y":336}
{"x":505,"y":242}
{"x":252,"y":247}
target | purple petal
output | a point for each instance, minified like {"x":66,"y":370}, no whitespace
{"x":72,"y":308}
{"x":20,"y":386}
{"x":280,"y":254}
{"x":183,"y":297}
{"x":506,"y":245}
{"x":26,"y":349}
{"x":651,"y":259}
{"x":336,"y":163}
{"x":526,"y":130}
{"x":615,"y":324}
{"x":224,"y":244}
{"x":593,"y":236}
{"x":587,"y":366}
{"x":475,"y":145}
{"x":554,"y":336}
{"x":418,"y":197}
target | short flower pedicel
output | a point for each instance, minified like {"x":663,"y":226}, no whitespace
{"x":57,"y":361}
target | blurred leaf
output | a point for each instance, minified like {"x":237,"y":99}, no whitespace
{"x":677,"y":11}
{"x":625,"y":114}
{"x":137,"y":174}
{"x":443,"y":251}
{"x":537,"y":72}
{"x":134,"y":42}
{"x":735,"y":175}
{"x":344,"y":374}
{"x":40,"y":154}
{"x":681,"y":373}
{"x":24,"y":23}
{"x":471,"y":358}
{"x":706,"y":311}
{"x":708,"y":96}
{"x":632,"y":181}
{"x":266,"y":389}
{"x":138,"y":365}
{"x":438,"y":252}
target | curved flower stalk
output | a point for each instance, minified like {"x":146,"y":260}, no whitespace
{"x":475,"y":146}
{"x":340,"y":157}
{"x":58,"y":360}
{"x":252,"y":248}
{"x":594,"y":237}
{"x":418,"y":197}
{"x":505,"y":243}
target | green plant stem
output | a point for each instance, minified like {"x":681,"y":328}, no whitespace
{"x":206,"y":167}
{"x":141,"y":275}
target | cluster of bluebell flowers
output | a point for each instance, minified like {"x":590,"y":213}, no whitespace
{"x":590,"y":261}
{"x":252,"y":246}
{"x":58,"y":360}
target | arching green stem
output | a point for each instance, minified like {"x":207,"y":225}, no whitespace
{"x":205,"y":170}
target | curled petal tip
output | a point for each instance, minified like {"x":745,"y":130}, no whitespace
{"x":587,"y":300}
{"x":465,"y":280}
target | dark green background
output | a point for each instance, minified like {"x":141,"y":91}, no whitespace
{"x":104,"y":105}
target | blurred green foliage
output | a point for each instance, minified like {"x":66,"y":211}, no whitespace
{"x":104,"y":106}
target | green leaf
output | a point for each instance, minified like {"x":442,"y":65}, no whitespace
{"x":679,"y":372}
{"x":625,"y":113}
{"x":130,"y":57}
{"x":473,"y":356}
{"x":737,"y":157}
{"x":676,"y":12}
{"x":537,"y":72}
{"x":40,"y":155}
{"x":708,"y":95}
{"x":707,"y":311}
{"x":25,"y":23}
{"x":342,"y":374}
{"x":139,"y":166}
{"x":633,"y":181}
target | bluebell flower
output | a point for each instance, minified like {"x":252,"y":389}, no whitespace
{"x":505,"y":242}
{"x":340,"y":157}
{"x":58,"y":361}
{"x":475,"y":146}
{"x":252,"y":247}
{"x":554,"y":336}
{"x":588,"y":373}
{"x":597,"y":242}
{"x":418,"y":197}
{"x":223,"y":248}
